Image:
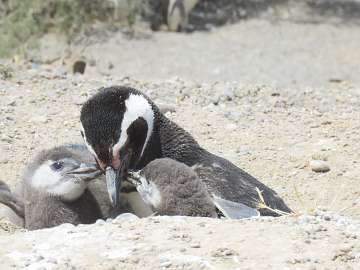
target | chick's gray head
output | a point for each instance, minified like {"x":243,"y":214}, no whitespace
{"x":62,"y":171}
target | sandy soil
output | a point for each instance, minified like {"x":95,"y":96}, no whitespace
{"x":305,"y":242}
{"x":280,"y":54}
{"x":271,"y":132}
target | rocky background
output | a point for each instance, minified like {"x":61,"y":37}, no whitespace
{"x":276,"y":94}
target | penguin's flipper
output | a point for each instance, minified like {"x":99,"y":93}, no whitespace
{"x":234,"y":210}
{"x":11,"y":200}
{"x":4,"y":187}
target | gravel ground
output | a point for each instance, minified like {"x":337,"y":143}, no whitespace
{"x":303,"y":141}
{"x":320,"y":241}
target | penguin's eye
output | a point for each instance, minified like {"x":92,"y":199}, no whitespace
{"x":56,"y":166}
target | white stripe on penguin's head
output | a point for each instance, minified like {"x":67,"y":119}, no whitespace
{"x":89,"y":147}
{"x":136,"y":106}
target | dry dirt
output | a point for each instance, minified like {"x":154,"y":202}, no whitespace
{"x":307,"y":242}
{"x":271,"y":132}
{"x":279,"y":54}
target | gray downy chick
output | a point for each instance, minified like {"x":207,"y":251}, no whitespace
{"x":57,"y":188}
{"x":172,"y":188}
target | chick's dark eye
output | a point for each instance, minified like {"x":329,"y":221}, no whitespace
{"x":57,"y":166}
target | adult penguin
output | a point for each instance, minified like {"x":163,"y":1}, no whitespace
{"x":125,"y":130}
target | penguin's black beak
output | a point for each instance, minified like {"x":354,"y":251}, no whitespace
{"x":114,"y":178}
{"x":86,"y":172}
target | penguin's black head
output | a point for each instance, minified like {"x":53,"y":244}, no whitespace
{"x":117,"y":124}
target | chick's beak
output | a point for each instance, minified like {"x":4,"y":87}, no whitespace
{"x":86,"y":172}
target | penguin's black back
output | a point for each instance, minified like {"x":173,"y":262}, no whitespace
{"x":232,"y":183}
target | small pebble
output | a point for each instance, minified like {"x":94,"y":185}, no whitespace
{"x":228,"y":94}
{"x":100,"y":222}
{"x":228,"y":252}
{"x":79,"y":67}
{"x":12,"y":103}
{"x":125,"y":216}
{"x":38,"y":258}
{"x":195,"y":245}
{"x":52,"y":260}
{"x":215,"y":100}
{"x":319,"y":166}
{"x":166,"y":264}
{"x":66,"y":226}
{"x":6,"y":139}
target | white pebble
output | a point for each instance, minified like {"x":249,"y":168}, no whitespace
{"x":66,"y":226}
{"x":166,"y":264}
{"x":319,"y":166}
{"x":100,"y":222}
{"x":126,"y":216}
